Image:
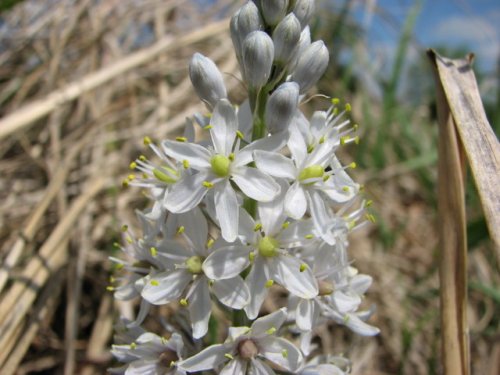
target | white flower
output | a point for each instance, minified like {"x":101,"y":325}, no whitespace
{"x":150,"y":354}
{"x":188,"y":278}
{"x":310,"y":179}
{"x":265,"y":249}
{"x":219,"y":166}
{"x":247,"y":349}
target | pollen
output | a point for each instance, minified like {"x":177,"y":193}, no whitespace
{"x":154,"y":282}
{"x":133,"y":165}
{"x":184,"y":302}
{"x":181,"y":229}
{"x":208,"y":184}
{"x":154,"y":251}
{"x":185,"y":164}
{"x":147,"y":141}
{"x":239,"y":134}
{"x":303,"y":267}
{"x":269,"y":283}
{"x":181,"y":139}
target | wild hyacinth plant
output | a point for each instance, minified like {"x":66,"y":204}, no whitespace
{"x":263,"y":204}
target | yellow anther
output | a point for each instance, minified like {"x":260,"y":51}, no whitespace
{"x":345,"y":189}
{"x":231,"y":156}
{"x":154,"y":282}
{"x":356,"y":140}
{"x":251,"y":256}
{"x":369,"y":203}
{"x":348,"y":107}
{"x":208,"y":114}
{"x":269,"y":283}
{"x":119,"y":266}
{"x":326,"y":177}
{"x":335,"y":101}
{"x":133,"y":345}
{"x":181,"y":229}
{"x":322,"y":140}
{"x":144,"y":175}
{"x":133,"y":165}
{"x":124,"y":228}
{"x":154,"y":251}
{"x":303,"y":267}
{"x":184,"y":302}
{"x":125,"y":183}
{"x":131,"y":177}
{"x":228,"y":356}
{"x":310,"y":149}
{"x":239,"y":134}
{"x":355,"y":127}
{"x":370,"y":217}
{"x":116,"y":244}
{"x":210,"y":243}
{"x":129,"y":240}
{"x":208,"y":127}
{"x":142,"y":158}
{"x":285,"y":224}
{"x":353,"y":165}
{"x":284,"y":353}
{"x":344,"y":139}
{"x":257,"y":227}
{"x":271,"y":331}
{"x":112,"y":279}
{"x":147,"y":141}
{"x":181,"y":139}
{"x":308,"y":236}
{"x":185,"y":164}
{"x":208,"y":184}
{"x":110,"y":288}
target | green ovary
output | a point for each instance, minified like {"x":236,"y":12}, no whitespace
{"x":268,"y":247}
{"x":313,"y":171}
{"x":194,"y":264}
{"x":220,"y":165}
{"x":165,"y":174}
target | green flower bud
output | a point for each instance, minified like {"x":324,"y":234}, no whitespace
{"x":286,"y":37}
{"x":207,"y":79}
{"x":281,"y":107}
{"x":258,"y":55}
{"x":273,"y":10}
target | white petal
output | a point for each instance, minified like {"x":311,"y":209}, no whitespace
{"x":272,"y":214}
{"x":246,"y":227}
{"x":233,"y":292}
{"x":142,"y":367}
{"x":360,"y":327}
{"x":227,"y":210}
{"x":258,"y":367}
{"x":200,"y":307}
{"x":297,"y":145}
{"x":187,"y":193}
{"x":226,"y":262}
{"x":169,"y":287}
{"x":304,"y":314}
{"x":296,"y":234}
{"x":234,"y":367}
{"x":271,"y":321}
{"x":255,"y":184}
{"x":346,"y":302}
{"x":256,"y":281}
{"x":320,"y":216}
{"x":361,"y":283}
{"x":198,"y":156}
{"x":281,"y":352}
{"x":224,"y":126}
{"x":245,"y":120}
{"x":207,"y":359}
{"x":295,"y":201}
{"x":275,"y":164}
{"x":302,"y":284}
{"x":272,"y":143}
{"x":196,"y":228}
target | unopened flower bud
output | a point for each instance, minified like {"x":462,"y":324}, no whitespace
{"x":302,"y":45}
{"x":281,"y":107}
{"x":286,"y":37}
{"x":273,"y":10}
{"x":246,"y":20}
{"x":207,"y":79}
{"x":311,"y":66}
{"x":258,"y":55}
{"x":304,"y":10}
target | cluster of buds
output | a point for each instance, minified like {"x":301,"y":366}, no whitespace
{"x":262,"y":203}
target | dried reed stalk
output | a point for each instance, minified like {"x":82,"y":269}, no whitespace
{"x":26,"y":115}
{"x":464,"y":133}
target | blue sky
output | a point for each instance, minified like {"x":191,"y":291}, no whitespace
{"x":474,"y":24}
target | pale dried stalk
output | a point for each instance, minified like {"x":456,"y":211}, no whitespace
{"x":464,"y":133}
{"x":40,"y":108}
{"x":22,"y":294}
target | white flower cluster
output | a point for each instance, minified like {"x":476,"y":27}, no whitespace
{"x":264,"y":203}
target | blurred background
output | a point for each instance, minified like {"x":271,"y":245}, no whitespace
{"x":105,"y":73}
